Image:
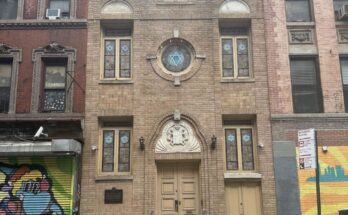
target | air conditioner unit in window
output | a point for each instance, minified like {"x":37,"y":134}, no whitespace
{"x":53,"y":13}
{"x":343,"y":12}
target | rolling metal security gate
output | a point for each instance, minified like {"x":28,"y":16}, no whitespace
{"x":36,"y":185}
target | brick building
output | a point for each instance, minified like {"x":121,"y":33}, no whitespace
{"x":177,"y":111}
{"x":306,"y":44}
{"x":42,"y":81}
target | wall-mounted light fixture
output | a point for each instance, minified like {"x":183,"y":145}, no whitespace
{"x":325,"y":148}
{"x":213,"y":142}
{"x":94,"y":148}
{"x":142,"y":143}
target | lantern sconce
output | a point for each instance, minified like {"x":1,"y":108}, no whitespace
{"x":142,"y":143}
{"x":213,"y":142}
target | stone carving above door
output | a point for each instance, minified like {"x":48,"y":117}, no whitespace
{"x":177,"y":136}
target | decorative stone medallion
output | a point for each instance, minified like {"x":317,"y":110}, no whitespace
{"x":177,"y":136}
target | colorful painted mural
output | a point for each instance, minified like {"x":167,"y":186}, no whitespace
{"x":333,"y":183}
{"x":36,"y":186}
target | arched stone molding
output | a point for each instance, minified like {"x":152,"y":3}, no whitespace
{"x":53,"y":51}
{"x":234,"y":6}
{"x":167,"y":120}
{"x":177,"y":136}
{"x":234,"y":9}
{"x":116,"y":9}
{"x":15,"y":54}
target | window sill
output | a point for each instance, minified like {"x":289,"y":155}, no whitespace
{"x":307,"y":116}
{"x":116,"y":82}
{"x":246,"y":80}
{"x":242,"y":176}
{"x":42,"y":23}
{"x":341,"y":23}
{"x":300,"y":24}
{"x":113,"y":178}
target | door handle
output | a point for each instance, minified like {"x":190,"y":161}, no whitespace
{"x":176,"y":205}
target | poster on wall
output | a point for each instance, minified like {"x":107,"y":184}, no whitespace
{"x":307,"y":154}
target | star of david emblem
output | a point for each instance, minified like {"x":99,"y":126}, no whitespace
{"x":176,"y":58}
{"x":125,"y":48}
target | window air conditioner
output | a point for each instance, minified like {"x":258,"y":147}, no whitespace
{"x":343,"y":12}
{"x":53,"y":13}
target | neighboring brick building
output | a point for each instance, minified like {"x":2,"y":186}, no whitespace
{"x":42,"y":83}
{"x":177,"y":115}
{"x":306,"y":44}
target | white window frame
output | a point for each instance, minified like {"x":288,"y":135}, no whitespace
{"x":235,"y":57}
{"x":116,"y":151}
{"x":117,"y":40}
{"x":238,"y":129}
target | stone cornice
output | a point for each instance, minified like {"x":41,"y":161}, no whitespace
{"x":43,"y":24}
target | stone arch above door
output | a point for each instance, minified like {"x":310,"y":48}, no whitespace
{"x":191,"y":135}
{"x":177,"y":136}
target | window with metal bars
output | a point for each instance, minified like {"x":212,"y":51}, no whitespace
{"x":54,"y":89}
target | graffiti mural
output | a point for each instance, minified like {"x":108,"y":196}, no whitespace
{"x":333,"y":183}
{"x":29,"y":188}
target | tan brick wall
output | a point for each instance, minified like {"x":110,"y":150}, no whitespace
{"x":150,"y":99}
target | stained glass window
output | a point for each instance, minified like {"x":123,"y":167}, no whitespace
{"x":5,"y":86}
{"x":109,"y":59}
{"x":235,"y":57}
{"x":247,"y":149}
{"x":243,"y":57}
{"x":231,"y":149}
{"x":116,"y":150}
{"x":227,"y":58}
{"x":124,"y":151}
{"x":108,"y":151}
{"x":125,"y":58}
{"x":176,"y":57}
{"x":117,"y":54}
{"x":54,"y":89}
{"x":239,"y":149}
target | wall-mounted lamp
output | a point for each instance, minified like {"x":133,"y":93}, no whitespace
{"x":260,"y":145}
{"x":325,"y":149}
{"x":142,"y":143}
{"x":213,"y":142}
{"x":94,"y":148}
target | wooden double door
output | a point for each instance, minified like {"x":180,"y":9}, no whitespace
{"x":178,"y":189}
{"x":243,"y":199}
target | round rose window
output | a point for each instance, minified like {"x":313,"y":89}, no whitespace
{"x":176,"y":57}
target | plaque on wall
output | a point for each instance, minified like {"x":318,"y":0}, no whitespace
{"x":113,"y":196}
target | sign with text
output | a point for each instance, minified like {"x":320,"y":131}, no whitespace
{"x":307,"y":144}
{"x":113,"y":196}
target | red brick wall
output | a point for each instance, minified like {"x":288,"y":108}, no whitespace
{"x":27,"y":40}
{"x":30,"y":9}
